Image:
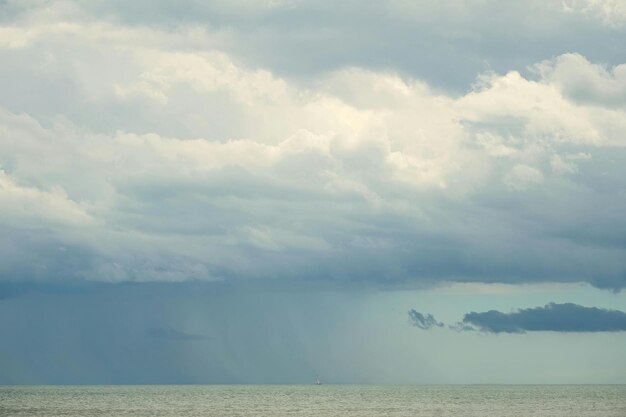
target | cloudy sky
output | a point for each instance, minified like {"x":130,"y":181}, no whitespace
{"x":259,"y":191}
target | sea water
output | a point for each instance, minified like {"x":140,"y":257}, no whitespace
{"x":311,"y":400}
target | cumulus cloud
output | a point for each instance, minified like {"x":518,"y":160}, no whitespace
{"x":584,"y":81}
{"x":553,"y":317}
{"x":32,"y":207}
{"x":422,"y":321}
{"x":153,"y":154}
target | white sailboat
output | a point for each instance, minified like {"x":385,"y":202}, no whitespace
{"x":317,"y":380}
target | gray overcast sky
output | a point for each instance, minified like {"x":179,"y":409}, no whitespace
{"x":246,"y":189}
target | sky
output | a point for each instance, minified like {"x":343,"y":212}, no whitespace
{"x":262,"y":191}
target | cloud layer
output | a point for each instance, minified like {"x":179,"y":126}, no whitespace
{"x":445,"y":43}
{"x":141,"y":153}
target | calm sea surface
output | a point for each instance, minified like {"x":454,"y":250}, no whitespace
{"x":304,"y":400}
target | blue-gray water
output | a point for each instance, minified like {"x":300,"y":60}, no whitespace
{"x":305,"y":400}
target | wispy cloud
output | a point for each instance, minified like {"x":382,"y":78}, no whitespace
{"x":422,"y":321}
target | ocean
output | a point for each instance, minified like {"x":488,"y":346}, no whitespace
{"x":311,"y":400}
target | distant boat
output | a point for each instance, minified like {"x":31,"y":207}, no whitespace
{"x":317,"y":380}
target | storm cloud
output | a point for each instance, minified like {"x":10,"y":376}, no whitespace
{"x":553,"y":317}
{"x":137,"y":152}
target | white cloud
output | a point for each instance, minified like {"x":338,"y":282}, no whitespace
{"x":584,"y":81}
{"x":30,"y":207}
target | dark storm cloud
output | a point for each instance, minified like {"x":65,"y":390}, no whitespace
{"x":553,"y":317}
{"x":422,"y":321}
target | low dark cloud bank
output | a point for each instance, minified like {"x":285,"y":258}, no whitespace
{"x":422,"y":321}
{"x":553,"y":317}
